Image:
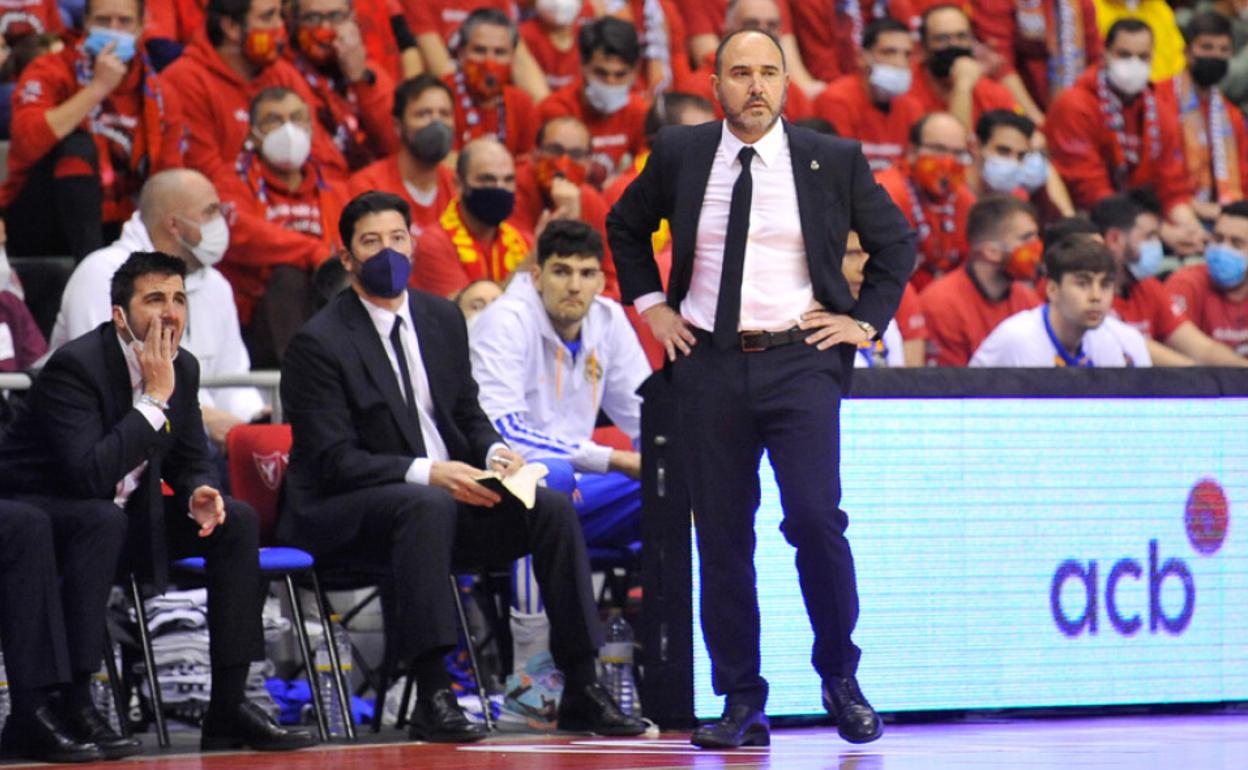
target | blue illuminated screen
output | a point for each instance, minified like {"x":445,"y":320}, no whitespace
{"x":1023,"y":553}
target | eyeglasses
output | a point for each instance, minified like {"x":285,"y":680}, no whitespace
{"x":317,"y":19}
{"x":946,"y":39}
{"x":961,"y":156}
{"x":575,"y":153}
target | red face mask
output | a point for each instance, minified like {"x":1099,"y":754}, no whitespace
{"x":1022,"y":262}
{"x":548,"y":168}
{"x":263,"y":46}
{"x":937,"y":175}
{"x":317,"y":43}
{"x":486,"y":79}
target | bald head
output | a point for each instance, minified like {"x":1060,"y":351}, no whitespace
{"x":173,"y":204}
{"x":485,"y":162}
{"x":940,"y":129}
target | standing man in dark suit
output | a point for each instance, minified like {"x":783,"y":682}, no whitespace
{"x":388,"y":438}
{"x":761,"y":328}
{"x":113,"y":413}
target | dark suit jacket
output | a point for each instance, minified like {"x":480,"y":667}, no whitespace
{"x":352,"y":428}
{"x":836,"y":192}
{"x":78,"y":434}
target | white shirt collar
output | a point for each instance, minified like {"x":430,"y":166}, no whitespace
{"x":383,"y":319}
{"x":768,"y":147}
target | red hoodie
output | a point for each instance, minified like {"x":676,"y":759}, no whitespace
{"x":216,"y":101}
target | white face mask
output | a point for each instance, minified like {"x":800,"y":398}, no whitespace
{"x":606,"y":99}
{"x":287,"y":147}
{"x":136,"y":344}
{"x":1001,"y":174}
{"x":214,"y":240}
{"x":558,"y":13}
{"x":889,"y":80}
{"x":1129,"y":75}
{"x":1035,"y":171}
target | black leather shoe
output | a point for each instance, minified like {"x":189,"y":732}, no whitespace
{"x":593,"y":710}
{"x":856,"y":721}
{"x":40,"y":735}
{"x":741,"y":725}
{"x":440,"y":720}
{"x":87,"y":726}
{"x":248,"y":726}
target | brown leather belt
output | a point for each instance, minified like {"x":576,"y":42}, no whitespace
{"x":757,"y":342}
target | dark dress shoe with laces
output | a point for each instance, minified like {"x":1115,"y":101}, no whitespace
{"x":440,"y":720}
{"x":249,"y":726}
{"x":87,"y":726}
{"x":40,"y":735}
{"x":856,"y":721}
{"x":741,"y":725}
{"x":593,"y":710}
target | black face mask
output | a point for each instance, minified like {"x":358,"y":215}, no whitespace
{"x":1208,"y":71}
{"x":941,"y":62}
{"x":491,"y":205}
{"x":431,"y":143}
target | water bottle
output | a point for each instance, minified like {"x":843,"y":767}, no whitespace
{"x":102,"y":693}
{"x":617,"y":662}
{"x":330,"y":706}
{"x":4,"y":693}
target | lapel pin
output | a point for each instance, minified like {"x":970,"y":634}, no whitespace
{"x":814,"y":165}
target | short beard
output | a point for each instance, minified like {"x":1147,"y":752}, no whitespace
{"x":735,"y":119}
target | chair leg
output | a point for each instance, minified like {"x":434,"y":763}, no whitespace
{"x":149,"y":662}
{"x":114,"y":680}
{"x":406,"y":701}
{"x":344,"y":694}
{"x":305,"y":647}
{"x":472,"y":656}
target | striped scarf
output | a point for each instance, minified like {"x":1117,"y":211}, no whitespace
{"x":1209,"y":147}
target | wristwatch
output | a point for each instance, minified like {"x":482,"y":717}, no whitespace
{"x":868,"y":328}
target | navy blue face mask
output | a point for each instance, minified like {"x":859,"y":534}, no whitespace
{"x":385,"y":273}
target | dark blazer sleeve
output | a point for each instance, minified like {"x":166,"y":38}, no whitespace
{"x":327,"y":449}
{"x":92,"y":455}
{"x":887,"y":237}
{"x":634,"y":217}
{"x":467,"y":413}
{"x":187,"y":465}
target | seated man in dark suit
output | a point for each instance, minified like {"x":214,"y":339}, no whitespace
{"x":113,"y":413}
{"x":32,"y":627}
{"x":388,"y":437}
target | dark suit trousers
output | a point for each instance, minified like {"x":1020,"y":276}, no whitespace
{"x":733,"y":405}
{"x":421,"y":534}
{"x":32,"y":624}
{"x":89,"y":537}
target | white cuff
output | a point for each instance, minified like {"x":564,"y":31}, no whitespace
{"x":592,"y":458}
{"x":493,"y":450}
{"x":647,"y":301}
{"x":153,"y":414}
{"x":418,"y":472}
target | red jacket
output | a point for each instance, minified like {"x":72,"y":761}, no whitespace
{"x":358,"y":116}
{"x":830,"y":43}
{"x":996,"y":24}
{"x":216,"y":101}
{"x":19,"y":18}
{"x":384,"y":175}
{"x":271,"y":225}
{"x":987,"y":95}
{"x":519,"y":129}
{"x":145,"y":107}
{"x":942,"y":238}
{"x":174,"y":19}
{"x":611,"y":136}
{"x":1081,"y":145}
{"x":959,"y":317}
{"x":884,"y":135}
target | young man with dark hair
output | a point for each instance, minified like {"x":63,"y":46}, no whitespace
{"x":397,"y":483}
{"x":1114,"y":131}
{"x":352,"y":93}
{"x":1075,"y":326}
{"x":1215,"y":294}
{"x":424,"y":119}
{"x":90,"y":124}
{"x":604,"y":99}
{"x":1215,"y":139}
{"x":486,"y":104}
{"x":963,"y":306}
{"x":1132,"y":234}
{"x":873,"y":103}
{"x":220,"y":73}
{"x":548,"y":356}
{"x":113,"y":413}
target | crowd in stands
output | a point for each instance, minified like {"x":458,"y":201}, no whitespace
{"x":492,"y":118}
